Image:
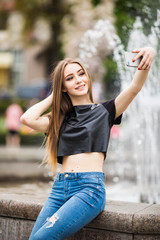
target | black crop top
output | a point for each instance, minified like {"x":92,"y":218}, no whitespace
{"x":87,"y":129}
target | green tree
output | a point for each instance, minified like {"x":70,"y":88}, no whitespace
{"x":126,"y":12}
{"x":51,"y":10}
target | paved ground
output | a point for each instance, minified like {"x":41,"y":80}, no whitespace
{"x":117,"y":190}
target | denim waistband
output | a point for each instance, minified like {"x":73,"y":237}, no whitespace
{"x":78,"y":175}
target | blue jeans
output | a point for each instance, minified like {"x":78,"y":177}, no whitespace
{"x":75,"y":200}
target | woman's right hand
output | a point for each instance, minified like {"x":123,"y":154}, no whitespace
{"x":148,"y":54}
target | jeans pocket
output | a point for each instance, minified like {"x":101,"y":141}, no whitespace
{"x":102,"y":183}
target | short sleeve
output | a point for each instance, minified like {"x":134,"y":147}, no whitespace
{"x":110,"y":106}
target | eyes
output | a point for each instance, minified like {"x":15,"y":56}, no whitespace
{"x":82,"y":73}
{"x":71,"y":77}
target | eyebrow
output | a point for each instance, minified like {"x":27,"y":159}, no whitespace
{"x":72,"y":73}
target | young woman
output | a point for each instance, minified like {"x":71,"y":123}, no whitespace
{"x":77,"y":137}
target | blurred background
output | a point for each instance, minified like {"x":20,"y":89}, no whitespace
{"x":34,"y":36}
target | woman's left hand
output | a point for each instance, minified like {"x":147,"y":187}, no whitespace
{"x":147,"y":54}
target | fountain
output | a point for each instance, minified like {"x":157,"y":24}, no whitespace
{"x":140,"y":130}
{"x":143,"y":116}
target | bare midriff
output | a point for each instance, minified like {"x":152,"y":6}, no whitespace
{"x":83,"y":162}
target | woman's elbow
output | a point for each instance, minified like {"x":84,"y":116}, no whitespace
{"x":24,"y":120}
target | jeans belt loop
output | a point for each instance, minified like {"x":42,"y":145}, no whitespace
{"x":59,"y":176}
{"x":77,"y":177}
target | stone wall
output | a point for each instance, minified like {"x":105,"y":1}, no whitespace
{"x":119,"y":220}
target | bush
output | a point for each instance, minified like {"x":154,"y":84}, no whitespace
{"x":4,"y":103}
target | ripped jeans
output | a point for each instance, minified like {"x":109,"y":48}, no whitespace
{"x":75,"y":200}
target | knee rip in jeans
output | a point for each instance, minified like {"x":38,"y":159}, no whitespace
{"x":52,"y":219}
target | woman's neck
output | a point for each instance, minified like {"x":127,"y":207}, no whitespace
{"x":81,"y":101}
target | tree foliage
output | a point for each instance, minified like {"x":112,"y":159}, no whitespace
{"x":126,"y":12}
{"x":96,"y":2}
{"x":51,"y":10}
{"x":3,"y":20}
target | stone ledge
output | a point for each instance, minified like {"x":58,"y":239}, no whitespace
{"x":123,"y":217}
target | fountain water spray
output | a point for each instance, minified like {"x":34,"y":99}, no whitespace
{"x":143,"y":115}
{"x":95,"y":45}
{"x":139,"y":139}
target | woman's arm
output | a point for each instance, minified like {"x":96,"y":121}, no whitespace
{"x":125,"y":97}
{"x":32,"y":117}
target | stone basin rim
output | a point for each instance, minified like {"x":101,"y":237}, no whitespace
{"x":118,"y":216}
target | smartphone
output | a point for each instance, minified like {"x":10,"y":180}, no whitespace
{"x":129,"y":57}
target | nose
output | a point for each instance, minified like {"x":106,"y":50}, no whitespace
{"x":78,"y":79}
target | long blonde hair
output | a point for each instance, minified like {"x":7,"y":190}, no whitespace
{"x":61,"y":105}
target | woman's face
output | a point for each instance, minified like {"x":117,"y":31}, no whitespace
{"x":75,"y":82}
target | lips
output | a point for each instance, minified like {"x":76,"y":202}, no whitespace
{"x":80,"y":87}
